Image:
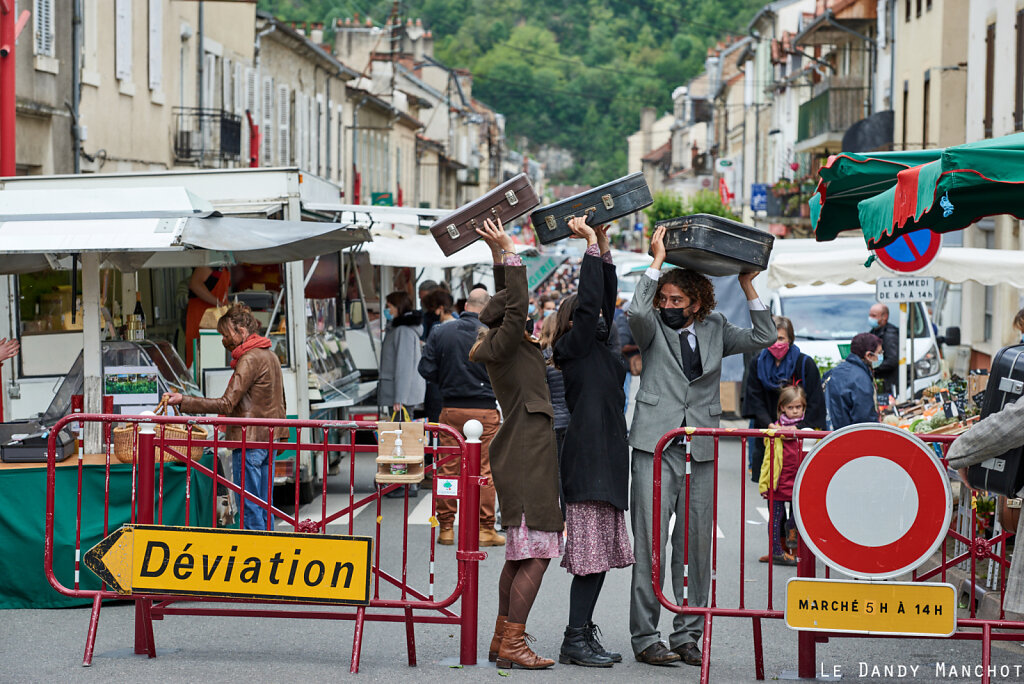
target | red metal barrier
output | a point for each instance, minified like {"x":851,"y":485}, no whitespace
{"x":977,"y":549}
{"x":147,"y":507}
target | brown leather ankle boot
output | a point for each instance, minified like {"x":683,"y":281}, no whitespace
{"x":499,"y":632}
{"x":515,"y":653}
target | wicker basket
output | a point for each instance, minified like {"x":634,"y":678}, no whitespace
{"x":123,"y":438}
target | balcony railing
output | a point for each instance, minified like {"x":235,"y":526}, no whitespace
{"x":206,"y":135}
{"x":832,"y":111}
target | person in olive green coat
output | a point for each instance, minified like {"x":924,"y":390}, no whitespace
{"x":524,"y":456}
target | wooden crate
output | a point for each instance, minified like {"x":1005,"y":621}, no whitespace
{"x":730,"y":397}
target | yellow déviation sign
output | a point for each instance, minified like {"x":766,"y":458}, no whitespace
{"x":196,"y":561}
{"x":907,"y":608}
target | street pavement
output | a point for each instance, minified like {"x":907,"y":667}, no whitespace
{"x":47,"y":645}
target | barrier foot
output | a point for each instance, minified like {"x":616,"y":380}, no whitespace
{"x":90,"y":637}
{"x":758,"y":650}
{"x":705,"y":652}
{"x":357,"y":639}
{"x":410,"y":637}
{"x":144,"y":642}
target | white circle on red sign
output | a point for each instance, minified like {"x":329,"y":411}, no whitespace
{"x":872,"y":501}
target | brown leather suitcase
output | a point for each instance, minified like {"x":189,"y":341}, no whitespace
{"x":507,"y":202}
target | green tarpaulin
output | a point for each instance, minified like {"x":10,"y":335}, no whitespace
{"x":966,"y":183}
{"x":848,"y":178}
{"x":23,"y":583}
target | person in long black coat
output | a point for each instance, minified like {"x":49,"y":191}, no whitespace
{"x":595,"y":454}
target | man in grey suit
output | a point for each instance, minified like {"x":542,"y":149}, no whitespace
{"x":682,"y":343}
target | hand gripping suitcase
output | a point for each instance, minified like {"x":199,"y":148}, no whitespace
{"x":1002,"y":474}
{"x":715,"y":246}
{"x":600,"y":205}
{"x":507,"y":202}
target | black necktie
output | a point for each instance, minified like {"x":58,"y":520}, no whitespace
{"x":691,"y":357}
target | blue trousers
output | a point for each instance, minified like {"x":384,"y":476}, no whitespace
{"x":257,"y":473}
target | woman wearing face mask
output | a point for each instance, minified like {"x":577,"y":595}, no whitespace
{"x":400,"y":383}
{"x":850,"y":387}
{"x":775,"y":367}
{"x":595,"y":455}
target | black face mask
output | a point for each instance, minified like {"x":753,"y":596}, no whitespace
{"x":676,"y":318}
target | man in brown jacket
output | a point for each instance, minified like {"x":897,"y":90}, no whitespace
{"x":255,"y":390}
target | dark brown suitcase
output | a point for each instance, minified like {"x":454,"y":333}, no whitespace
{"x":715,"y":246}
{"x":600,"y":205}
{"x":507,"y":202}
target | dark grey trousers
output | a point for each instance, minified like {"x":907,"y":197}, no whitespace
{"x":644,"y":609}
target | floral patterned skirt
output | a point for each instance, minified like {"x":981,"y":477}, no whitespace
{"x":597,"y":538}
{"x":523,"y":542}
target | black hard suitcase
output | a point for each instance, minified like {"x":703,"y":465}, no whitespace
{"x":715,"y":246}
{"x":1003,"y":474}
{"x":27,"y":442}
{"x":600,"y":205}
{"x":507,"y":202}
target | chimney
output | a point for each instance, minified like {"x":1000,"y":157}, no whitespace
{"x":316,"y":33}
{"x":647,"y":115}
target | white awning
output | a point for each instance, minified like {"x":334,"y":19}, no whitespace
{"x":101,"y":203}
{"x":842,"y":261}
{"x":421,"y":251}
{"x":370,"y":215}
{"x":129,"y":243}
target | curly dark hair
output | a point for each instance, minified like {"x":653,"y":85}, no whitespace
{"x":694,"y":285}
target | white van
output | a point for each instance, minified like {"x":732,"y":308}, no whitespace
{"x":827,"y":317}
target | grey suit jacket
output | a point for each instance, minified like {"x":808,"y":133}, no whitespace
{"x":666,"y":398}
{"x":994,"y":436}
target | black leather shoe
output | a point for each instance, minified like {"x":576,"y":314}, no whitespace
{"x":689,"y":653}
{"x":657,"y":654}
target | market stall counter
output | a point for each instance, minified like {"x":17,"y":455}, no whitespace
{"x":23,"y":520}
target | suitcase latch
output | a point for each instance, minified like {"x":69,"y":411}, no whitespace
{"x":511,"y":197}
{"x":550,"y":221}
{"x":609,"y":203}
{"x":453,"y":232}
{"x":1011,"y":386}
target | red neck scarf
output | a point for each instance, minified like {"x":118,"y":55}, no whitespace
{"x":252,"y":342}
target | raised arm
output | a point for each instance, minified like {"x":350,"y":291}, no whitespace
{"x":502,"y":342}
{"x":641,"y":314}
{"x":611,"y":280}
{"x":990,"y":437}
{"x":580,"y":337}
{"x":738,"y":340}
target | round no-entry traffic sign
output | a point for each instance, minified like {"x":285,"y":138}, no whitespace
{"x":872,"y":501}
{"x":911,"y":252}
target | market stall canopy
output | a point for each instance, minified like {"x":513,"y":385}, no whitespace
{"x":31,"y":240}
{"x":848,"y":178}
{"x":966,"y":183}
{"x":842,"y":262}
{"x":421,"y":251}
{"x":101,"y":203}
{"x":366,"y":215}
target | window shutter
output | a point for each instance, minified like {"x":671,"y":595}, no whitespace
{"x":209,"y":80}
{"x":301,"y":105}
{"x":227,"y":100}
{"x":43,"y":27}
{"x":990,"y":67}
{"x":238,"y":86}
{"x":156,"y":45}
{"x":266,"y":153}
{"x":314,"y":140}
{"x":1018,"y":82}
{"x":123,"y":40}
{"x":283,"y":126}
{"x":341,"y":148}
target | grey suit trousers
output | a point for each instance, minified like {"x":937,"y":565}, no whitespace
{"x":644,"y":609}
